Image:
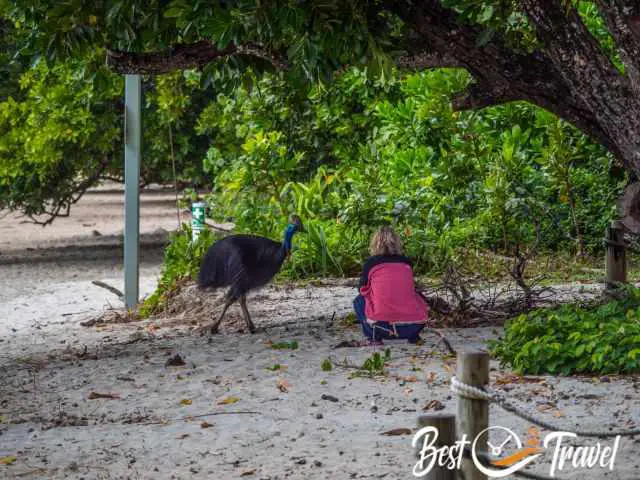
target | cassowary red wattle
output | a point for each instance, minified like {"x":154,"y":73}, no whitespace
{"x":243,"y":263}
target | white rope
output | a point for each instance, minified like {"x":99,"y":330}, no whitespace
{"x":486,"y":393}
{"x":469,"y":391}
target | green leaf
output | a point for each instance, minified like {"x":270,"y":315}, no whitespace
{"x":485,"y":14}
{"x":485,"y":36}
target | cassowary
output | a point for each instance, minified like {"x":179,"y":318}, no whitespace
{"x":244,"y":262}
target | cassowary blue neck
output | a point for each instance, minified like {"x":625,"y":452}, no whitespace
{"x":288,"y":235}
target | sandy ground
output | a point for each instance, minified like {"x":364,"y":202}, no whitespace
{"x":262,"y":422}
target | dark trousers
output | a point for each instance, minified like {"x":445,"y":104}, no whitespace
{"x":385,"y":330}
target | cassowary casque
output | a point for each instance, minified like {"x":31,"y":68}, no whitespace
{"x":244,"y":262}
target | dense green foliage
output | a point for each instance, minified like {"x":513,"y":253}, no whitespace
{"x":63,"y":134}
{"x":339,"y":137}
{"x":363,"y":152}
{"x":573,"y":339}
{"x":59,"y":91}
{"x":182,"y":260}
{"x":61,"y":129}
{"x":316,"y":36}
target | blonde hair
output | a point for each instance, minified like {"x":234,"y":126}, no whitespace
{"x":385,"y":242}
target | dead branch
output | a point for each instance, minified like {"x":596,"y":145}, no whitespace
{"x":106,"y":286}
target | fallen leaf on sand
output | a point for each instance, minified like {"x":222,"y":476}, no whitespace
{"x":544,"y":408}
{"x":246,"y":473}
{"x":111,"y":396}
{"x":283,"y":385}
{"x":398,"y":431}
{"x":206,"y":425}
{"x":7,"y":460}
{"x":433,"y":405}
{"x":506,"y":379}
{"x":228,"y":401}
{"x":185,"y":401}
{"x":558,"y":414}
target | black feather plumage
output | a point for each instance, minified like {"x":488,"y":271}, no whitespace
{"x":243,"y":263}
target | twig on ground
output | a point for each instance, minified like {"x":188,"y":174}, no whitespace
{"x":75,"y":313}
{"x":106,"y":286}
{"x":35,"y":471}
{"x":344,"y":364}
{"x":190,"y":417}
{"x":444,"y":340}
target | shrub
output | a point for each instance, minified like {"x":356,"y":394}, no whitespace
{"x":574,"y":339}
{"x":374,"y":365}
{"x":182,"y":259}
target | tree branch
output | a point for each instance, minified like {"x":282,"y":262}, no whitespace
{"x":71,"y":197}
{"x":426,"y":60}
{"x":501,"y":74}
{"x":478,"y":95}
{"x":188,"y":56}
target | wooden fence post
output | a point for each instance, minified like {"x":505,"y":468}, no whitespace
{"x":445,"y":423}
{"x":616,"y":258}
{"x":473,"y":415}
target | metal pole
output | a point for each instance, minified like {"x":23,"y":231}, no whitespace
{"x":132,"y":146}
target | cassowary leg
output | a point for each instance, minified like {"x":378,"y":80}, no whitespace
{"x":229,"y":302}
{"x":245,"y":311}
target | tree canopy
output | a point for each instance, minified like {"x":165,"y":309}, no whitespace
{"x":579,"y":60}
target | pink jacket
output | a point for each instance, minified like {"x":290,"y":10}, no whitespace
{"x":390,"y":295}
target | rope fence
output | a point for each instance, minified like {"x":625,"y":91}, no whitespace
{"x":490,"y":395}
{"x":471,"y":385}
